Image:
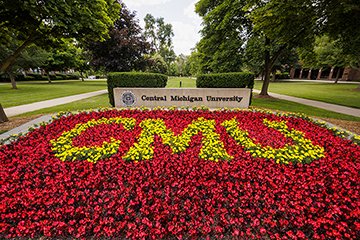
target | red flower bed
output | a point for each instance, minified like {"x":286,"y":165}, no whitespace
{"x":174,"y":192}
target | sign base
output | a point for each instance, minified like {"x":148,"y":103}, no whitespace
{"x":182,"y":97}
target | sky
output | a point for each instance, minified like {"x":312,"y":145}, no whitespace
{"x":179,"y":13}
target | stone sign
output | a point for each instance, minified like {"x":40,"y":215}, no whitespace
{"x":182,"y":97}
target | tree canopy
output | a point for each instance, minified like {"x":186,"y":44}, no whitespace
{"x":221,"y":46}
{"x":37,"y":21}
{"x":125,"y":49}
{"x":232,"y":28}
{"x":160,"y":34}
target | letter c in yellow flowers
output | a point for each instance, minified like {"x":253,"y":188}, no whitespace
{"x":65,"y":150}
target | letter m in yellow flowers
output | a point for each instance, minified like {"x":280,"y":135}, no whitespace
{"x":212,"y":147}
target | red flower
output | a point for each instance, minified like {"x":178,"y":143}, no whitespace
{"x":178,"y":194}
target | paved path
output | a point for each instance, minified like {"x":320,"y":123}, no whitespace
{"x":50,"y":103}
{"x":13,"y":111}
{"x":25,"y":127}
{"x":315,"y":81}
{"x":327,"y":106}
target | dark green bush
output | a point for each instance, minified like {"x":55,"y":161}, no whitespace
{"x":134,"y":80}
{"x":39,"y":77}
{"x":28,"y":78}
{"x":284,"y":75}
{"x":6,"y":78}
{"x":72,"y":77}
{"x":226,"y":80}
{"x":61,"y":75}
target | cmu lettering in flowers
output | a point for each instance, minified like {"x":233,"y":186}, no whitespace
{"x":302,"y":150}
{"x":179,"y":174}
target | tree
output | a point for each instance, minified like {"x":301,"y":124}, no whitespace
{"x":160,"y":34}
{"x":3,"y":117}
{"x":83,"y":58}
{"x":156,"y":64}
{"x":182,"y":65}
{"x":340,"y":20}
{"x":32,"y":57}
{"x":194,"y":63}
{"x":327,"y":53}
{"x":254,"y":55}
{"x":282,"y":26}
{"x":63,"y":56}
{"x":125,"y":49}
{"x":38,"y":21}
{"x":220,"y":48}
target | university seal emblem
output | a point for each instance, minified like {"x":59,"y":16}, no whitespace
{"x":128,"y":98}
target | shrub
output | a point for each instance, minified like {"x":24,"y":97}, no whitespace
{"x":28,"y":78}
{"x":226,"y":80}
{"x":73,"y":77}
{"x":135,"y":80}
{"x":284,"y":75}
{"x":61,"y":75}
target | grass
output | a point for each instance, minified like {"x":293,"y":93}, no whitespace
{"x":174,"y":82}
{"x":102,"y":100}
{"x":30,"y":92}
{"x":268,"y":103}
{"x":341,"y":93}
{"x":287,"y":106}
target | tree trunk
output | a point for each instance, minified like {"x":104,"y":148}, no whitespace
{"x":48,"y":76}
{"x":81,"y":76}
{"x":273,"y":75}
{"x":292,"y":73}
{"x":6,"y":64}
{"x":337,"y":76}
{"x":3,"y":117}
{"x":331,"y":73}
{"x":13,"y":82}
{"x":309,"y":74}
{"x":267,"y":70}
{"x":319,"y":74}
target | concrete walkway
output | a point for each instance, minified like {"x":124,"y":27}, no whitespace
{"x":13,"y":111}
{"x":315,"y":81}
{"x":327,"y":106}
{"x":25,"y":127}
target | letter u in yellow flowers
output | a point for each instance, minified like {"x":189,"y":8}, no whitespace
{"x":212,"y":147}
{"x":65,"y":150}
{"x":302,"y":151}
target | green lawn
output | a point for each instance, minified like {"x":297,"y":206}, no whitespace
{"x":69,"y":88}
{"x":341,"y":94}
{"x":29,"y":92}
{"x":274,"y":104}
{"x":287,"y":106}
{"x":174,"y":82}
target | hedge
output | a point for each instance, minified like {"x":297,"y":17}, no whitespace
{"x":226,"y":80}
{"x":134,"y":80}
{"x":39,"y":77}
{"x":284,"y":75}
